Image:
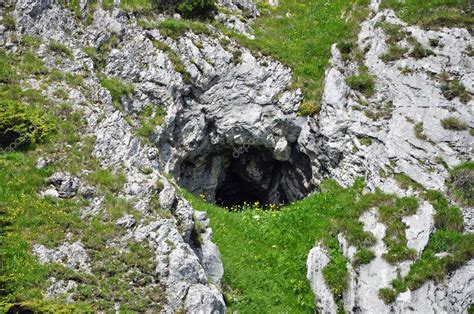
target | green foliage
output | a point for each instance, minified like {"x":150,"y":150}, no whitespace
{"x":30,"y":64}
{"x":107,"y":180}
{"x":22,"y":125}
{"x":395,"y":238}
{"x":393,"y":31}
{"x":419,"y":52}
{"x":7,"y":72}
{"x":381,"y":111}
{"x":176,"y":28}
{"x":453,"y":123}
{"x":30,"y":41}
{"x":454,"y":88}
{"x":194,"y":8}
{"x":149,"y":118}
{"x":363,"y":256}
{"x":365,"y":140}
{"x":265,"y":250}
{"x":433,"y":14}
{"x":309,"y":108}
{"x":363,"y":83}
{"x":9,"y":21}
{"x":387,"y":295}
{"x":335,"y":273}
{"x":117,"y":88}
{"x":461,"y":183}
{"x":59,"y":48}
{"x":405,"y":182}
{"x":448,"y":238}
{"x":394,"y":53}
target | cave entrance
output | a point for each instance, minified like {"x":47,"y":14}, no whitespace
{"x":252,"y":176}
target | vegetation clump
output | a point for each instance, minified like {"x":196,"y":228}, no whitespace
{"x":461,"y":183}
{"x":363,"y":83}
{"x":117,"y":88}
{"x":453,"y":123}
{"x":56,"y":47}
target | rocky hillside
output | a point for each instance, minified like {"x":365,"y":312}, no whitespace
{"x":328,"y":145}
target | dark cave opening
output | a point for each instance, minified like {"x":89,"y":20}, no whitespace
{"x":253,"y":175}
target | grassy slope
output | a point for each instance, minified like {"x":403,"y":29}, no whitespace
{"x":433,"y":13}
{"x":300,"y":34}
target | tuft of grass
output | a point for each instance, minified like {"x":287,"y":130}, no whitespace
{"x":394,"y":53}
{"x":309,"y":108}
{"x":454,"y":88}
{"x":381,"y":111}
{"x":363,"y":83}
{"x":453,"y":123}
{"x":405,"y":182}
{"x":56,"y":47}
{"x":363,"y":256}
{"x":117,"y":88}
{"x":365,"y":140}
{"x":419,"y":52}
{"x":174,"y":28}
{"x":9,"y":21}
{"x":107,"y":181}
{"x":150,"y":117}
{"x":461,"y":183}
{"x":30,"y":41}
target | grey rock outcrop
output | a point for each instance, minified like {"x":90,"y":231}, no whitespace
{"x":72,"y":255}
{"x":318,"y":259}
{"x":65,"y":184}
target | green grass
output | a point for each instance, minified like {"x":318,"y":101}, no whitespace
{"x":433,"y":13}
{"x":117,"y":88}
{"x":59,"y":48}
{"x":453,"y":123}
{"x":264,"y":252}
{"x":363,"y":83}
{"x":448,"y":237}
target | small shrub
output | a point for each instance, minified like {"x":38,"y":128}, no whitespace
{"x":9,"y":21}
{"x":309,"y":108}
{"x":393,"y":31}
{"x":387,"y":295}
{"x":419,"y":52}
{"x":461,"y":183}
{"x":453,"y":123}
{"x":21,"y":124}
{"x":56,"y":47}
{"x":454,"y":88}
{"x":394,"y":53}
{"x":365,"y":140}
{"x":196,"y":7}
{"x":363,"y":83}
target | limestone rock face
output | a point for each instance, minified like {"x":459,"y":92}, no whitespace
{"x":386,"y":121}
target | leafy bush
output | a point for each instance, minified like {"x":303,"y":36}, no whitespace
{"x":196,"y":7}
{"x":21,"y":124}
{"x":453,"y":123}
{"x":363,"y":83}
